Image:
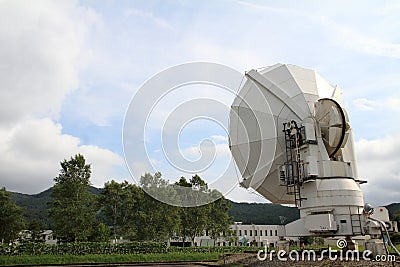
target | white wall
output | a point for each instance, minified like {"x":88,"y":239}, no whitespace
{"x":258,"y":235}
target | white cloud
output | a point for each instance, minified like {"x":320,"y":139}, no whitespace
{"x":220,"y":150}
{"x":378,"y":163}
{"x":41,"y":50}
{"x":156,"y":163}
{"x":102,"y":162}
{"x":220,"y":138}
{"x":239,"y":56}
{"x":340,"y":33}
{"x":138,"y":169}
{"x":344,"y":35}
{"x":393,"y":103}
{"x":31,"y":152}
{"x":134,"y":12}
{"x":188,"y":107}
{"x":388,"y":104}
{"x":283,"y":11}
{"x":364,"y":104}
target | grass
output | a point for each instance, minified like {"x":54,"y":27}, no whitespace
{"x":98,"y":258}
{"x":392,"y":250}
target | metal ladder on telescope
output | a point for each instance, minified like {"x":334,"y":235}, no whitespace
{"x":293,"y":173}
{"x":355,"y":221}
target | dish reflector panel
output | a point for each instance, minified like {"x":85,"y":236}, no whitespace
{"x":268,"y":98}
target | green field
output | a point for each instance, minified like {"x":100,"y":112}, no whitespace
{"x":117,"y":258}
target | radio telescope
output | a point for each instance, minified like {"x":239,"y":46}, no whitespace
{"x":292,"y":142}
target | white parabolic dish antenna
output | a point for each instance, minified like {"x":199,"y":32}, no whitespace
{"x":292,"y":143}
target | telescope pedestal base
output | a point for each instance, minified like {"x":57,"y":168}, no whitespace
{"x":376,"y":246}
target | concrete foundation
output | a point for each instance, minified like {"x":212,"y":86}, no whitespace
{"x":376,"y":246}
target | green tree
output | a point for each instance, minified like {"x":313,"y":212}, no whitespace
{"x":194,"y":219}
{"x":101,"y":233}
{"x":219,"y":220}
{"x":72,"y":207}
{"x":11,"y":218}
{"x":118,"y":201}
{"x":196,"y":181}
{"x":35,"y":227}
{"x":161,"y":220}
{"x":212,"y":217}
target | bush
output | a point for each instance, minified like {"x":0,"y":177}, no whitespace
{"x":212,"y":249}
{"x":395,"y":238}
{"x":87,"y":248}
{"x":84,"y":248}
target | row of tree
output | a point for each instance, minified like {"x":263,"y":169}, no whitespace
{"x":124,"y":209}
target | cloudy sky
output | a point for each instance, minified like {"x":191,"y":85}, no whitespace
{"x":69,"y":69}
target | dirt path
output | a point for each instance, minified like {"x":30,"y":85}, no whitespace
{"x":251,"y":260}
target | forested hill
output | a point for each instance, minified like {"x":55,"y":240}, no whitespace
{"x":262,"y":213}
{"x":35,"y":207}
{"x":394,"y":211}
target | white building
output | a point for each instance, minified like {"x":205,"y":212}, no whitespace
{"x":48,"y":237}
{"x":45,"y":236}
{"x":246,"y":235}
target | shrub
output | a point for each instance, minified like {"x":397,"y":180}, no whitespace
{"x":84,"y":248}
